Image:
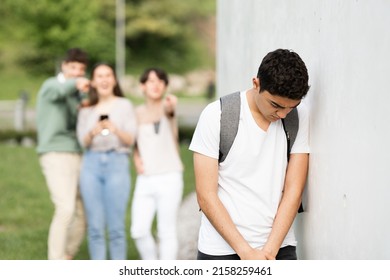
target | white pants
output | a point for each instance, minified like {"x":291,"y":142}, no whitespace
{"x":162,"y":194}
{"x":68,"y":225}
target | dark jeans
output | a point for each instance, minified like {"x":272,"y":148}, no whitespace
{"x":285,"y":253}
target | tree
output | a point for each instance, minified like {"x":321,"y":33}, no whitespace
{"x":164,"y":33}
{"x":158,"y":32}
{"x":46,"y":29}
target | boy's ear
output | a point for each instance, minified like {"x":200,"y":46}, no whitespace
{"x":256,"y":82}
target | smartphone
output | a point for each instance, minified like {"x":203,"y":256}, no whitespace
{"x":103,"y":117}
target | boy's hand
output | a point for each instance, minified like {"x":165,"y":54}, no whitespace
{"x":170,"y":103}
{"x":82,"y":84}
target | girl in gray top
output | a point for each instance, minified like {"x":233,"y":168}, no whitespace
{"x":106,"y":129}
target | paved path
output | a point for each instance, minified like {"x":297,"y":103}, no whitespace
{"x":188,"y":112}
{"x":189,"y":214}
{"x":188,"y":228}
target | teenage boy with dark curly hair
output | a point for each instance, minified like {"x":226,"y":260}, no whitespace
{"x":59,"y":152}
{"x":249,"y":201}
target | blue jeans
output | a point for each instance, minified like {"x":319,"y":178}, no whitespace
{"x":105,"y":189}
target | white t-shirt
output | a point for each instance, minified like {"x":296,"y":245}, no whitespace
{"x":251,"y":178}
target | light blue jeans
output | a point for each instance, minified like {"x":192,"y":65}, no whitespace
{"x":105,"y":189}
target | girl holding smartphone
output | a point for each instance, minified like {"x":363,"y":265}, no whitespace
{"x":107,"y":130}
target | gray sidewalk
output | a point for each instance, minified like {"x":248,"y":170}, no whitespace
{"x":188,"y":228}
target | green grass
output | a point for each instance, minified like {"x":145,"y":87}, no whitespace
{"x":26,"y":209}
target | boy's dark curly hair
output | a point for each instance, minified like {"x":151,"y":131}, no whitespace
{"x":283,"y":73}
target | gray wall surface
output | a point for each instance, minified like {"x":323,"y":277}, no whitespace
{"x":346,"y":47}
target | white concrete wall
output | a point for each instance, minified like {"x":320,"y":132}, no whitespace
{"x":346,"y":47}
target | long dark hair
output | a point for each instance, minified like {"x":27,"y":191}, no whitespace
{"x":93,"y":95}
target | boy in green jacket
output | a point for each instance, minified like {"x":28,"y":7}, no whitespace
{"x":60,"y":154}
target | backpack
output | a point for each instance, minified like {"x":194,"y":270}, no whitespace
{"x":230,"y":118}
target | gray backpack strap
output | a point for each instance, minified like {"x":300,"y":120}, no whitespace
{"x":230,"y":118}
{"x":291,"y":126}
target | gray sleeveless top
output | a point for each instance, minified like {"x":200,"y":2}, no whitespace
{"x":157,"y":147}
